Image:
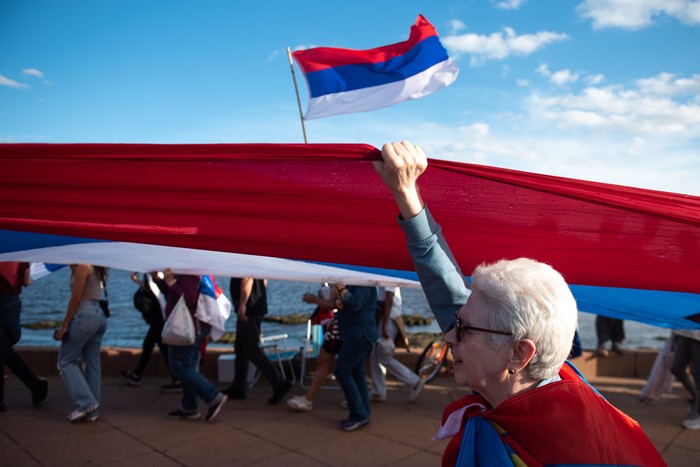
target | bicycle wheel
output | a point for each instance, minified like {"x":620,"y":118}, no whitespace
{"x":431,"y":360}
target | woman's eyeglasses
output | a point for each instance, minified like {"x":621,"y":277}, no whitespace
{"x":460,"y":327}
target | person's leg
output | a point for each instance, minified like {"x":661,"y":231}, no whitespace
{"x":182,"y":360}
{"x":681,"y":358}
{"x":695,"y":367}
{"x":92,"y":356}
{"x":617,"y":329}
{"x":194,"y":384}
{"x":397,"y":369}
{"x":602,"y":329}
{"x":324,"y":364}
{"x":258,"y":356}
{"x":350,"y":357}
{"x":377,"y":370}
{"x":81,"y":329}
{"x":244,"y":336}
{"x":149,"y":343}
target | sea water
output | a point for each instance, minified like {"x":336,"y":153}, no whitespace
{"x":47,"y":299}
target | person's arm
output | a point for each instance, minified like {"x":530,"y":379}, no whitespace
{"x":356,"y":300}
{"x":136,"y":277}
{"x":81,"y":273}
{"x":401,"y":165}
{"x":246,"y":290}
{"x":442,"y":281}
{"x":27,"y":279}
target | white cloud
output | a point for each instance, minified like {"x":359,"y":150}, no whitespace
{"x":635,"y":14}
{"x":10,"y":83}
{"x":647,"y":108}
{"x":564,"y":77}
{"x":457,"y":26}
{"x":499,"y":45}
{"x":33,"y":72}
{"x":560,"y":78}
{"x":595,"y":79}
{"x":523,"y":83}
{"x":510,"y":4}
{"x":274,"y":54}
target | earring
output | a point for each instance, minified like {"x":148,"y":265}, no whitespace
{"x":511,"y":371}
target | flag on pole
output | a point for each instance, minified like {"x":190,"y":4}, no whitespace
{"x":346,"y":80}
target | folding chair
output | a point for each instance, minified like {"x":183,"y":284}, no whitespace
{"x":280,"y":353}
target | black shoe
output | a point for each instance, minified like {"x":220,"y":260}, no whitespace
{"x":215,"y":408}
{"x":175,"y":386}
{"x":234,"y":393}
{"x":40,"y":390}
{"x":3,"y":407}
{"x":179,"y":414}
{"x":131,"y":377}
{"x":279,"y":393}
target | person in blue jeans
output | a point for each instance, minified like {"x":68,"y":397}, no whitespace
{"x":81,"y":338}
{"x":184,"y":358}
{"x":358,"y":330}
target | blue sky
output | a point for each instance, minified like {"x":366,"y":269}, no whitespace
{"x":605,"y":90}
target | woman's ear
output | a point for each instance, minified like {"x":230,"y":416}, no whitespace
{"x":523,"y":352}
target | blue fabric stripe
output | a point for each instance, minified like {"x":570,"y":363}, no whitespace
{"x":11,"y":241}
{"x":423,"y":55}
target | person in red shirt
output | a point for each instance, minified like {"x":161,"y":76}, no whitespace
{"x":14,"y":276}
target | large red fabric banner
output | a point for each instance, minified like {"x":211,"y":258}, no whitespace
{"x":323,"y":202}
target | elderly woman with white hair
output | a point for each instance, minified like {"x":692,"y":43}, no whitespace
{"x":510,"y":336}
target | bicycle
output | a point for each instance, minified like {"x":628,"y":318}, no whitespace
{"x":431,"y":360}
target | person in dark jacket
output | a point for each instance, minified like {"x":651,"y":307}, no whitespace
{"x":249,"y":297}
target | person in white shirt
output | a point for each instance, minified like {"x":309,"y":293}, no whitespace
{"x":382,"y":358}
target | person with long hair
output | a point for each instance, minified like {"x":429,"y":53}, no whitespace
{"x":81,"y":338}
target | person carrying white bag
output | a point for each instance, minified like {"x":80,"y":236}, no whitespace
{"x":185,"y":333}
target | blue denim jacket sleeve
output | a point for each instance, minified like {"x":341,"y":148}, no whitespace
{"x":442,"y":280}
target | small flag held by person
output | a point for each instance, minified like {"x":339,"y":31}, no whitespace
{"x":344,"y":81}
{"x":213,"y":307}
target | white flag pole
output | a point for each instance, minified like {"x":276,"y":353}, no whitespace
{"x":296,"y":88}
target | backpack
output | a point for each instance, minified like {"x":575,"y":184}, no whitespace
{"x":147,"y":303}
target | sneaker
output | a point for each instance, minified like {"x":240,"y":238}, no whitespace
{"x":215,"y":408}
{"x":39,"y":390}
{"x":279,"y":393}
{"x":602,"y":352}
{"x":300,"y":403}
{"x":351,"y":425}
{"x":92,"y":416}
{"x":182,"y":415}
{"x":131,"y":378}
{"x":175,"y":386}
{"x":233,"y":393}
{"x":692,"y":423}
{"x":415,"y":390}
{"x":77,"y":415}
{"x":376,"y":397}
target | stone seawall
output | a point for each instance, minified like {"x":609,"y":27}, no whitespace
{"x":633,"y":364}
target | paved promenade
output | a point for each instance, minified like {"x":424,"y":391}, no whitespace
{"x":133,"y":428}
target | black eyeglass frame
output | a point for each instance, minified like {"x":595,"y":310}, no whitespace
{"x":460,"y":327}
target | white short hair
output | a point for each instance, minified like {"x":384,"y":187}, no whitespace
{"x":533,"y":301}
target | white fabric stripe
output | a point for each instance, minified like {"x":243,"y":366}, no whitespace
{"x":375,"y":97}
{"x":144,"y":258}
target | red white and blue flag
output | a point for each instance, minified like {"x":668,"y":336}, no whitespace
{"x":344,"y":81}
{"x":213,"y":307}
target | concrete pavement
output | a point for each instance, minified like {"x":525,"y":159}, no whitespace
{"x":134,"y":429}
